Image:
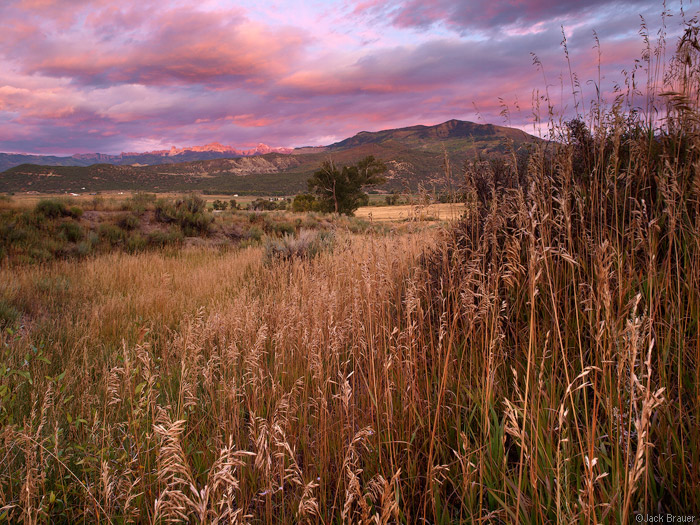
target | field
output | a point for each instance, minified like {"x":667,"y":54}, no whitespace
{"x":113,"y":199}
{"x":411,"y":212}
{"x":535,"y":360}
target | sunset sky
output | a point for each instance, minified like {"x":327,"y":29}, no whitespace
{"x":79,"y":76}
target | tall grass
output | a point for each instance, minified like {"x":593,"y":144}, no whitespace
{"x":570,"y":302}
{"x":203,"y":384}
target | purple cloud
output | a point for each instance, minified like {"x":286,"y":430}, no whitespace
{"x":79,"y":76}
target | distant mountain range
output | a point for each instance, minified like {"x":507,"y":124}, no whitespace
{"x":414,"y":156}
{"x":169,"y":156}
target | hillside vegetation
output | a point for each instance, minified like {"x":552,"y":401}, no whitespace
{"x":414,"y":156}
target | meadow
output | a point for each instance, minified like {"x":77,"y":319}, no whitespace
{"x":536,"y":360}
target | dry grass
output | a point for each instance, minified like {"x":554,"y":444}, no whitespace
{"x":167,"y":369}
{"x":113,"y":199}
{"x":441,"y":212}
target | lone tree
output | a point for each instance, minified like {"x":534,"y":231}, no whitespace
{"x":340,"y":189}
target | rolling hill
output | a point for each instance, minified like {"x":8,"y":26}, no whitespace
{"x":172,"y":156}
{"x":414,"y":157}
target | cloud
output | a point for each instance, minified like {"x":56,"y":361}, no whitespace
{"x":483,"y":14}
{"x":153,"y":47}
{"x":81,"y":76}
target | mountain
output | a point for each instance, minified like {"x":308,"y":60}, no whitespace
{"x":415,"y":157}
{"x":432,"y":138}
{"x":171,"y":156}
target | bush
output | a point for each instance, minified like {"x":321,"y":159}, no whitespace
{"x":111,"y":233}
{"x":51,"y":208}
{"x":128,"y":222}
{"x":76,"y":212}
{"x":194,"y":223}
{"x":305,"y":202}
{"x":255,"y":217}
{"x":283,"y":228}
{"x":12,"y":233}
{"x":139,"y":202}
{"x":255,"y":233}
{"x":71,"y":232}
{"x":162,"y":239}
{"x":358,"y":225}
{"x":83,"y":249}
{"x":189,"y":213}
{"x":136,"y":243}
{"x":165,"y":211}
{"x":267,"y":205}
{"x":306,"y":244}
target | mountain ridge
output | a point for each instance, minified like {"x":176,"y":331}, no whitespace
{"x":415,"y":158}
{"x":168,"y":156}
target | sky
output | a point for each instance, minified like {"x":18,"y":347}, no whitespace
{"x":111,"y":76}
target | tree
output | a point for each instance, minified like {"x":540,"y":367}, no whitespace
{"x":339,"y":190}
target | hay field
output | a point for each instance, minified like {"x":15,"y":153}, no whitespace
{"x":411,"y":212}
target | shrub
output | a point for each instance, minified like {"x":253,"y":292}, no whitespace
{"x":306,"y":244}
{"x":283,"y":228}
{"x":305,"y":202}
{"x":128,"y":222}
{"x":111,"y":233}
{"x":189,"y":213}
{"x":255,"y":233}
{"x":194,"y":223}
{"x":255,"y":217}
{"x":71,"y":231}
{"x":136,"y":243}
{"x":139,"y":202}
{"x":76,"y":212}
{"x":11,"y":232}
{"x":161,"y":239}
{"x":83,"y":248}
{"x":267,"y":205}
{"x":165,"y":211}
{"x":358,"y":225}
{"x":51,"y":208}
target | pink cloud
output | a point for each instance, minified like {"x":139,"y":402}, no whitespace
{"x":180,"y":44}
{"x":79,"y":75}
{"x":478,"y":14}
{"x":251,"y":121}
